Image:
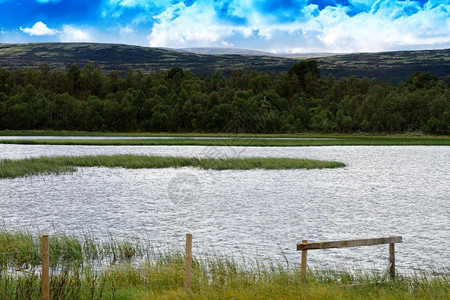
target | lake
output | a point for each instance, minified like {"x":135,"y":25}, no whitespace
{"x":396,"y":190}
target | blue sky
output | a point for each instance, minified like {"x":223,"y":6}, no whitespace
{"x":275,"y":25}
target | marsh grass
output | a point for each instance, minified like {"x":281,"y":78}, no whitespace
{"x":63,"y":164}
{"x":23,"y":250}
{"x":160,"y":275}
{"x":281,"y":140}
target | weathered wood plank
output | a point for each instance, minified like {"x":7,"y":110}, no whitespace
{"x":392,"y":260}
{"x":349,"y":243}
{"x":304,"y":262}
{"x":45,"y":277}
{"x":188,"y":264}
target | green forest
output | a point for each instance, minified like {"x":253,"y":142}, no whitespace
{"x":176,"y":100}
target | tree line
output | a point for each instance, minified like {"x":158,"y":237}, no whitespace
{"x":175,"y":100}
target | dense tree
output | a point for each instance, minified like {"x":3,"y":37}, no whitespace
{"x":307,"y":73}
{"x":240,"y":101}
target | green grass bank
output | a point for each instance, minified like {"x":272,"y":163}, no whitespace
{"x":83,"y":268}
{"x":260,"y":140}
{"x":62,"y":164}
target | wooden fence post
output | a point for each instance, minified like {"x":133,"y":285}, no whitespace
{"x":45,"y":278}
{"x":188,"y":264}
{"x":304,"y":263}
{"x":392,"y":259}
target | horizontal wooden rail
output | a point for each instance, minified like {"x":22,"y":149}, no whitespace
{"x":304,"y":246}
{"x":349,"y":243}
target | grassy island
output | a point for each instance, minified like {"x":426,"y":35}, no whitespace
{"x":61,"y":164}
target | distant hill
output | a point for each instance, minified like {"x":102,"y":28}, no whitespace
{"x":234,"y":51}
{"x":226,"y":51}
{"x":392,"y":66}
{"x":122,"y":57}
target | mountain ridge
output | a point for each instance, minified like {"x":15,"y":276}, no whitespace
{"x":392,"y":66}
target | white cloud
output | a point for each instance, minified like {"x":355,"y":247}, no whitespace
{"x":126,"y":30}
{"x":39,"y":28}
{"x":380,"y":25}
{"x":134,"y":3}
{"x":381,"y":29}
{"x":227,"y":44}
{"x":47,"y":1}
{"x":193,"y":26}
{"x":138,"y":3}
{"x":73,"y":34}
{"x":68,"y":33}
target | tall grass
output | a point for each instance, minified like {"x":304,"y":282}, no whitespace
{"x":249,"y":140}
{"x":159,"y":275}
{"x":23,"y":250}
{"x":56,"y":165}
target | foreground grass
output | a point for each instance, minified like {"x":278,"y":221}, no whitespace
{"x":160,"y":275}
{"x":281,"y":140}
{"x":61,"y":164}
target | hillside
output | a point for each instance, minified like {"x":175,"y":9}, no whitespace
{"x":123,"y":57}
{"x":392,"y":66}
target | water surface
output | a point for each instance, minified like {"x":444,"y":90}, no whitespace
{"x":397,"y":190}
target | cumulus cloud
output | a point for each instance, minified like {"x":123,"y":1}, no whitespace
{"x":47,"y":1}
{"x":227,"y":44}
{"x":384,"y":27}
{"x":39,"y":28}
{"x":361,"y":25}
{"x":68,"y":33}
{"x":196,"y":25}
{"x":133,"y":3}
{"x":126,"y":30}
{"x":275,"y":25}
{"x":73,"y":34}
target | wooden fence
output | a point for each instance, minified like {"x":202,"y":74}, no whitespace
{"x":304,"y":246}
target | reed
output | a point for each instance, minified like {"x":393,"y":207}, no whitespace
{"x":63,"y":164}
{"x":159,"y":275}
